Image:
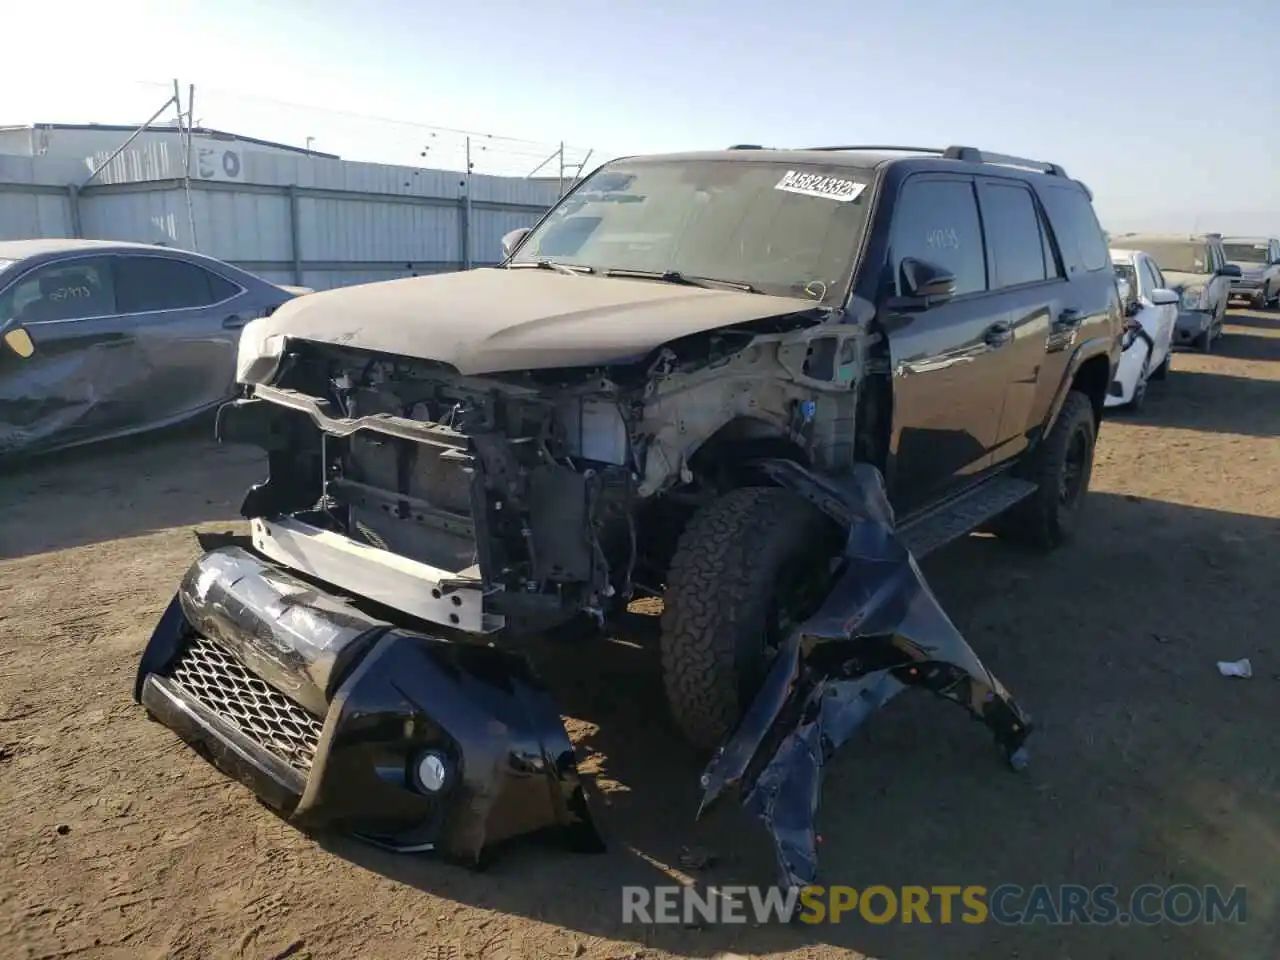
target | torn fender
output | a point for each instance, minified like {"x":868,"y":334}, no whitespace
{"x":879,"y":631}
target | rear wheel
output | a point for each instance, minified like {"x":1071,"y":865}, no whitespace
{"x":749,"y":566}
{"x":1061,"y":469}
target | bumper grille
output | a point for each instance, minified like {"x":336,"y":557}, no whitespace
{"x":211,"y":675}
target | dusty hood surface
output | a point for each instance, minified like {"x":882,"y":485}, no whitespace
{"x":1178,"y":280}
{"x":492,"y":320}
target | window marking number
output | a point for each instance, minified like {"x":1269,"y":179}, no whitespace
{"x":943,"y":238}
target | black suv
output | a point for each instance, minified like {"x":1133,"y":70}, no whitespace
{"x":505,"y":449}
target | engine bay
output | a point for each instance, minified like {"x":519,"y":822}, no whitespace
{"x":525,"y":490}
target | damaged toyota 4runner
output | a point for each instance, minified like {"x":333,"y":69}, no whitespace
{"x":755,"y":383}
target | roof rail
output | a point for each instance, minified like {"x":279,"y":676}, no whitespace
{"x":881,"y":147}
{"x":966,"y":154}
{"x":746,"y":146}
{"x":974,"y":155}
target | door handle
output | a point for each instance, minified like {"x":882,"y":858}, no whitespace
{"x":233,"y":323}
{"x":998,"y":334}
{"x":1069,"y":318}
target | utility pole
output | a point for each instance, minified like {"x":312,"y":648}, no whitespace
{"x":466,"y":254}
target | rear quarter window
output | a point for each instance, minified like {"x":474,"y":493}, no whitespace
{"x":1080,"y":238}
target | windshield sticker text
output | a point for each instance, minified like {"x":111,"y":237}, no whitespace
{"x":818,"y":185}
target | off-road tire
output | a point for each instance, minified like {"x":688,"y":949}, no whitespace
{"x":1043,"y":521}
{"x":719,"y":602}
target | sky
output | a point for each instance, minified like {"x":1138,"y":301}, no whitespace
{"x":1169,"y":110}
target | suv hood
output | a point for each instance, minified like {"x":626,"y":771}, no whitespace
{"x":492,"y":320}
{"x":1181,"y":281}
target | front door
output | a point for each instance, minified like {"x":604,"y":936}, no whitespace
{"x":948,"y":381}
{"x":83,"y":351}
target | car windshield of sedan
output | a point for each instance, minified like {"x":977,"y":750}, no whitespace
{"x":1185,"y":257}
{"x":1246,"y":252}
{"x":782,"y":229}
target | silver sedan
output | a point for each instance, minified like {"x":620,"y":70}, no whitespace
{"x":101,"y":339}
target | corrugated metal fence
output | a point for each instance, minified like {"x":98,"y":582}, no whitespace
{"x":302,"y":220}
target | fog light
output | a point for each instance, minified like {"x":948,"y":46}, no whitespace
{"x":431,"y":772}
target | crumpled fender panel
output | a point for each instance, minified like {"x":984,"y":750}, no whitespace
{"x":323,"y":710}
{"x":879,"y":631}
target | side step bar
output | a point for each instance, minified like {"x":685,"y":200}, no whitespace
{"x":955,"y":518}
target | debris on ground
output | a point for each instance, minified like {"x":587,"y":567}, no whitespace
{"x":1236,"y":668}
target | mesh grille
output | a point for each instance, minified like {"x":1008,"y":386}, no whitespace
{"x":215,"y":678}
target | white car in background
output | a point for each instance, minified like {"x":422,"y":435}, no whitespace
{"x":1151,"y":314}
{"x":1196,"y":267}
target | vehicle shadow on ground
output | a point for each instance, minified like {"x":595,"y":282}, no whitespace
{"x":139,"y":485}
{"x":1242,"y":345}
{"x":1256,"y":319}
{"x":1160,"y":770}
{"x":1212,"y":403}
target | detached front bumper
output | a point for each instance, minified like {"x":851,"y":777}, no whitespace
{"x":339,"y":720}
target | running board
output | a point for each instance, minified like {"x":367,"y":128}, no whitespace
{"x":962,"y":515}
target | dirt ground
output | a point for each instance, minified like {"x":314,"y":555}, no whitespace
{"x":1148,"y":767}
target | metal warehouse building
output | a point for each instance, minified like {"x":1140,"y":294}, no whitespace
{"x":289,"y":214}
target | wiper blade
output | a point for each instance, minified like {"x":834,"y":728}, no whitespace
{"x":675,"y":276}
{"x":570,"y":269}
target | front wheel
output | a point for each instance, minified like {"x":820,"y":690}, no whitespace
{"x":1061,"y":469}
{"x":748,"y":566}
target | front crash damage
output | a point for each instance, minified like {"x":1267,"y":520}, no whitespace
{"x":338,"y":719}
{"x":879,"y":631}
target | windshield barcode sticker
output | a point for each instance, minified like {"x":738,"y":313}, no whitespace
{"x":818,"y":185}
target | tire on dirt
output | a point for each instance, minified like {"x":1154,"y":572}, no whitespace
{"x":1044,"y":521}
{"x":719,"y":605}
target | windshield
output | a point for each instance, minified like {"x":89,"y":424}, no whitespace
{"x":788,"y":230}
{"x":1185,"y":257}
{"x":1246,"y":252}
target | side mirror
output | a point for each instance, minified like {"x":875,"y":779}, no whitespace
{"x":927,"y":281}
{"x":1230,"y":270}
{"x":19,"y":341}
{"x":512,"y":240}
{"x":1163,"y":298}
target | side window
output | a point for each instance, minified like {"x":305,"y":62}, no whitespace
{"x":937,"y":221}
{"x":145,"y":284}
{"x":1012,"y":226}
{"x":1076,"y":226}
{"x":72,"y":289}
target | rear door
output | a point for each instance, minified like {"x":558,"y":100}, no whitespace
{"x":947,"y":376}
{"x":186,"y":321}
{"x":1028,"y":286}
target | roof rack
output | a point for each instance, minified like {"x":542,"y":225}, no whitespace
{"x":965,"y":154}
{"x":746,"y":146}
